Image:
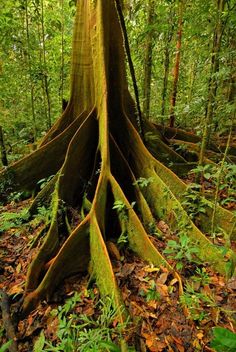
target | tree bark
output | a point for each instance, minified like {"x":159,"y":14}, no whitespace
{"x":45,"y":71}
{"x":3,"y":149}
{"x":167,"y":62}
{"x":148,"y":60}
{"x":212,"y":86}
{"x":177,"y":64}
{"x":30,"y":70}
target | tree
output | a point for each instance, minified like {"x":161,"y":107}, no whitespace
{"x":212,"y":87}
{"x":168,"y":39}
{"x":148,"y":60}
{"x":177,"y":64}
{"x":101,"y":167}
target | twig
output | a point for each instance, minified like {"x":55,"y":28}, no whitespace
{"x":7,"y":323}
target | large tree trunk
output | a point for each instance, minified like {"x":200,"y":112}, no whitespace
{"x":97,"y":155}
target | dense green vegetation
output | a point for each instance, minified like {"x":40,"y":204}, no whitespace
{"x":35,"y":64}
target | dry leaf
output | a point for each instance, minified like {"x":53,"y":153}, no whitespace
{"x":18,"y":268}
{"x":180,"y":347}
{"x":149,"y":269}
{"x":200,"y":335}
{"x":173,"y":282}
{"x":232,"y":283}
{"x":16,"y":290}
{"x":162,"y":279}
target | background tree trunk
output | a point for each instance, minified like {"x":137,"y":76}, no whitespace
{"x":148,"y":60}
{"x":212,"y":86}
{"x":3,"y":148}
{"x":30,"y":71}
{"x":168,"y":39}
{"x":177,"y":64}
{"x":45,"y":73}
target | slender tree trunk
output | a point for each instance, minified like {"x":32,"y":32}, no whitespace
{"x":45,"y":73}
{"x":212,"y":87}
{"x":42,"y":78}
{"x":177,"y":64}
{"x":131,"y":68}
{"x":148,"y":60}
{"x":192,"y":75}
{"x":30,"y":70}
{"x":231,"y":96}
{"x":167,"y":62}
{"x":3,"y":148}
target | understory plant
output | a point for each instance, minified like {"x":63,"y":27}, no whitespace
{"x":84,"y":333}
{"x":195,"y":302}
{"x":182,"y":250}
{"x":193,"y":202}
{"x":222,"y":177}
{"x":10,"y":220}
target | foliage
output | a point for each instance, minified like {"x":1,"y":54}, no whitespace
{"x":193,"y":202}
{"x":22,"y":63}
{"x":182,"y":251}
{"x":5,"y":346}
{"x":22,"y":66}
{"x":83,"y":333}
{"x":152,"y":293}
{"x":119,"y":206}
{"x":143,"y":182}
{"x":44,"y":181}
{"x":227,"y":175}
{"x":224,"y":340}
{"x":194,"y":301}
{"x":122,"y":211}
{"x":13,"y":220}
{"x":201,"y":276}
{"x":43,"y":214}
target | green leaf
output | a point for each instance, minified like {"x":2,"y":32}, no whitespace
{"x":223,"y":338}
{"x":39,"y":344}
{"x":179,"y":266}
{"x":110,"y":346}
{"x":172,"y":243}
{"x":207,"y":175}
{"x":5,"y":346}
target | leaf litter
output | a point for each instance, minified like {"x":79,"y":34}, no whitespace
{"x":150,"y":294}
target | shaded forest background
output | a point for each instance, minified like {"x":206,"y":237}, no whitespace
{"x":35,"y":58}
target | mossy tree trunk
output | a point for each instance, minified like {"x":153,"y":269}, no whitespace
{"x":96,"y":154}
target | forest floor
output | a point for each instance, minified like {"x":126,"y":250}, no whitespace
{"x":159,"y":319}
